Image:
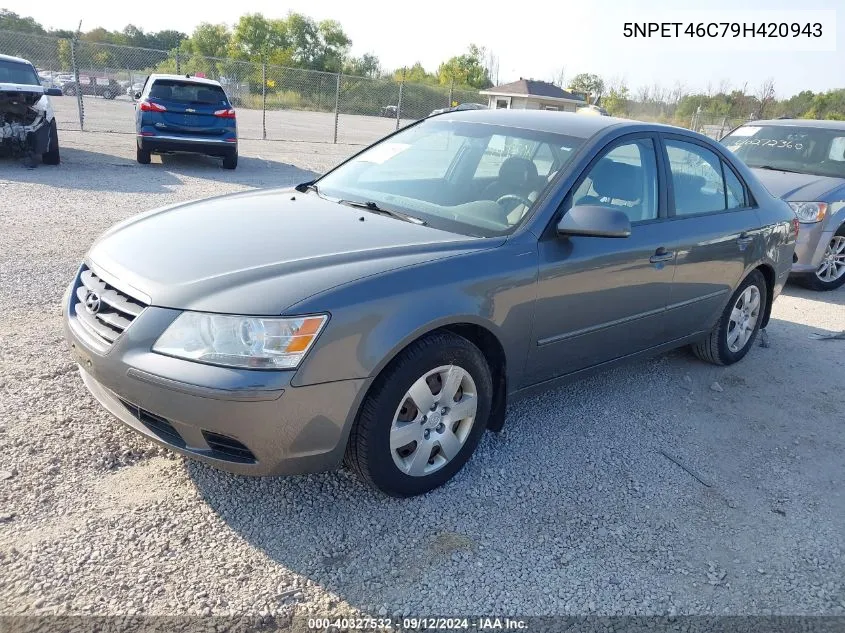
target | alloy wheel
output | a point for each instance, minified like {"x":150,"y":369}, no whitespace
{"x":833,"y":262}
{"x":433,"y":421}
{"x":743,"y":319}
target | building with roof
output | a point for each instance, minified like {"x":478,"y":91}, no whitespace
{"x":529,"y":94}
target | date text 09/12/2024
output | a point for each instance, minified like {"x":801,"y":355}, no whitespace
{"x":678,"y":30}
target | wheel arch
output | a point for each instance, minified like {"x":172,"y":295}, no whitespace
{"x":770,"y":276}
{"x":480,"y":334}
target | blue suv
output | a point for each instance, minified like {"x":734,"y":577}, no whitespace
{"x":180,"y":113}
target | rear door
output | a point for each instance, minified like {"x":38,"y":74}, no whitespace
{"x":713,"y":227}
{"x":191,"y":107}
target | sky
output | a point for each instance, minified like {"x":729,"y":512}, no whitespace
{"x":531,"y":38}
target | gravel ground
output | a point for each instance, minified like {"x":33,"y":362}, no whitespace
{"x":118,"y":115}
{"x":573,"y":509}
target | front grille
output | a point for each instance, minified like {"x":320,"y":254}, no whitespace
{"x":155,"y":423}
{"x":231,"y":448}
{"x":102,"y":310}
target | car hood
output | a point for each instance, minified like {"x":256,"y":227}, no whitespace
{"x":260,"y":252}
{"x":794,"y":187}
{"x":21,"y":93}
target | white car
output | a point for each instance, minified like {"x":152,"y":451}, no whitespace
{"x":27,"y":120}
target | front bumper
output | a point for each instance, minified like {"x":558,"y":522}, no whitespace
{"x":810,"y":246}
{"x":242,"y":421}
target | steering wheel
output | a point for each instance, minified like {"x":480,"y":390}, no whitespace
{"x":513,"y":196}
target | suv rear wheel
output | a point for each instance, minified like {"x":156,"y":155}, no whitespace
{"x":51,"y":156}
{"x":142,"y":155}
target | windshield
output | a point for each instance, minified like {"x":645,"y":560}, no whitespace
{"x":188,"y":92}
{"x":469,"y":178}
{"x":18,"y":73}
{"x":807,"y":150}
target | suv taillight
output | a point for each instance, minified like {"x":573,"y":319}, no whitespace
{"x":229,"y":113}
{"x":151,"y":106}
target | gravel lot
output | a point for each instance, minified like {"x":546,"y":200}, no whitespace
{"x":118,"y":115}
{"x":572,"y":510}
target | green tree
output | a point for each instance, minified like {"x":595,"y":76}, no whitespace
{"x":11,"y":21}
{"x":616,"y":100}
{"x":208,"y":40}
{"x":588,"y":83}
{"x":367,"y":65}
{"x":416,"y":74}
{"x":466,"y":70}
{"x":255,"y":36}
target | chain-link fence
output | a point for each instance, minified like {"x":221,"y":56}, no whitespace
{"x":99,"y":83}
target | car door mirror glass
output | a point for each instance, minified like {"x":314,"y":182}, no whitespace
{"x":53,"y":92}
{"x":137,"y":95}
{"x":594,"y":221}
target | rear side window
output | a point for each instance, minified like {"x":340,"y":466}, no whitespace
{"x":188,"y":92}
{"x":697,"y":180}
{"x":734,"y":191}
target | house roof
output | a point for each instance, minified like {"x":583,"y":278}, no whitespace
{"x":533,"y":88}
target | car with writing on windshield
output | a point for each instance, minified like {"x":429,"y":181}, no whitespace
{"x":385,"y":313}
{"x":803,"y":162}
{"x":182,"y":113}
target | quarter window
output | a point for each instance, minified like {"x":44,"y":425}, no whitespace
{"x":626,"y":179}
{"x":734,"y":191}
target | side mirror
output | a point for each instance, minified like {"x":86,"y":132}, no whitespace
{"x":53,"y":92}
{"x":594,"y":221}
{"x":137,"y":95}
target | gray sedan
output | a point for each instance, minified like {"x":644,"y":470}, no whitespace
{"x":804,"y":163}
{"x":385,"y":314}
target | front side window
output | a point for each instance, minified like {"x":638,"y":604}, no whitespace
{"x":625,"y":178}
{"x":697,"y":181}
{"x":471,"y":178}
{"x":802,"y":149}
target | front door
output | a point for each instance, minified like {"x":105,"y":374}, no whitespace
{"x":603,"y":298}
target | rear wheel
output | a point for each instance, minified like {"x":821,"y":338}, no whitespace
{"x":142,"y":155}
{"x":830,"y":274}
{"x":51,"y":156}
{"x":734,"y":333}
{"x":230,"y":161}
{"x":423,"y":417}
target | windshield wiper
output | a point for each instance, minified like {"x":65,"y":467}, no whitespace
{"x":773,"y":168}
{"x":375,"y":208}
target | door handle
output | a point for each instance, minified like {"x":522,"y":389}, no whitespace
{"x":744,"y":239}
{"x":661,"y":255}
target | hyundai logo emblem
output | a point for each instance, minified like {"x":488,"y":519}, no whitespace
{"x":92,"y":302}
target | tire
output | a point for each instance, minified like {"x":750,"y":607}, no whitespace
{"x":816,"y":282}
{"x":373,"y":452}
{"x":51,"y":157}
{"x":230,"y":161}
{"x":716,"y":348}
{"x":108,"y":94}
{"x":142,"y":155}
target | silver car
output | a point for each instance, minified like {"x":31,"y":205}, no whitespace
{"x":803,"y":162}
{"x":386,"y":313}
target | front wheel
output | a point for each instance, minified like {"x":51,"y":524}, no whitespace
{"x":51,"y":156}
{"x":830,"y":274}
{"x":734,"y":333}
{"x":423,"y":417}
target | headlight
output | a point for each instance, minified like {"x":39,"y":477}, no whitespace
{"x":240,"y":341}
{"x":809,"y":211}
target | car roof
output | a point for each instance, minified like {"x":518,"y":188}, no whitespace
{"x":198,"y":80}
{"x":10,"y":58}
{"x":567,"y":123}
{"x":816,"y":123}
